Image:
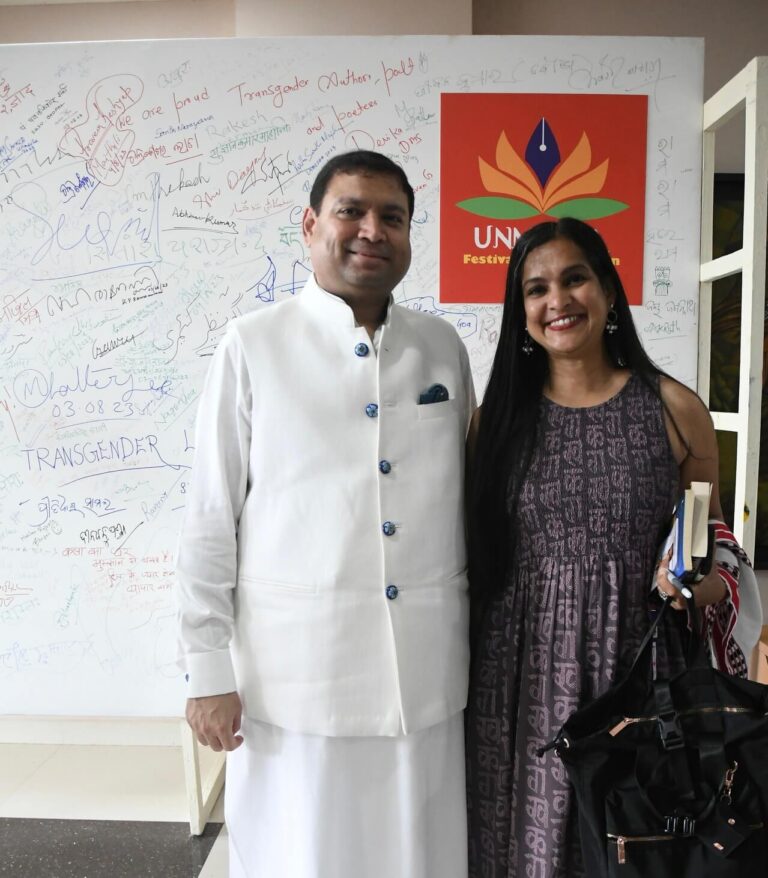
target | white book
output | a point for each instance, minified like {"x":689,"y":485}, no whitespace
{"x":689,"y":535}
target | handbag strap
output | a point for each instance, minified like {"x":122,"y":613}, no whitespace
{"x":666,"y":786}
{"x":697,"y":653}
{"x":708,"y":749}
{"x":645,"y":644}
{"x":697,"y":656}
{"x":698,"y":649}
{"x":710,"y":746}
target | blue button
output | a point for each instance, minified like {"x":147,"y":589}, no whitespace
{"x":391,"y":592}
{"x":372,"y":410}
{"x":385,"y":466}
{"x":362,"y":349}
{"x":389,"y":528}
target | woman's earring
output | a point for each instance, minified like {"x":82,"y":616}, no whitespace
{"x":527,"y":344}
{"x":612,"y":321}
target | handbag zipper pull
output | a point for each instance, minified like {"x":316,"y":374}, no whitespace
{"x":620,"y":726}
{"x":630,"y":721}
{"x":728,"y":783}
{"x":621,"y":850}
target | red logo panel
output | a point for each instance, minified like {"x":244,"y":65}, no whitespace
{"x":510,"y":161}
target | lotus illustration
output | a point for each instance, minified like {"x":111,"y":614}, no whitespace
{"x":541,"y":183}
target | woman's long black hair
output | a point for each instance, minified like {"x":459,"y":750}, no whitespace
{"x":510,"y":408}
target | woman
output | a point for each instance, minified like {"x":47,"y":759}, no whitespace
{"x":579,"y":453}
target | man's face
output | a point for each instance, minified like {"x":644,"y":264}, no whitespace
{"x":359,"y":240}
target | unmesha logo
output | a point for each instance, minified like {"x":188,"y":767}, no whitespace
{"x":542,"y":183}
{"x":511,"y":160}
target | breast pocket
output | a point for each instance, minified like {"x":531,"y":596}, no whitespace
{"x":428,"y":411}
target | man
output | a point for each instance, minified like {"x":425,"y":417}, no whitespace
{"x":321,"y":565}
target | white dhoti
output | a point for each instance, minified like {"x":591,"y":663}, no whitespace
{"x":309,"y":806}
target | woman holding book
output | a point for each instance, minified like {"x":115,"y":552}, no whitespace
{"x":577,"y":456}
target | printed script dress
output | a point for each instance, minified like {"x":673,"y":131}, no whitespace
{"x":600,"y":489}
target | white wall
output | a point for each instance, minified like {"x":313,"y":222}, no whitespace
{"x":32,"y":23}
{"x":266,"y":17}
{"x":734,"y":32}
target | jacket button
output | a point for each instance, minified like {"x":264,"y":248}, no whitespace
{"x":385,"y":466}
{"x":389,"y":528}
{"x":362,"y":349}
{"x":372,"y":410}
{"x":391,"y":592}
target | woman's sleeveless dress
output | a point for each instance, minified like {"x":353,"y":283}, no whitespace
{"x":599,"y":491}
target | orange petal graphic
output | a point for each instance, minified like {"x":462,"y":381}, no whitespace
{"x":577,"y":163}
{"x":587,"y":184}
{"x":495,"y":181}
{"x":510,"y":162}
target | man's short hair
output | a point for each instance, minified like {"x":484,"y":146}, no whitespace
{"x":358,"y":161}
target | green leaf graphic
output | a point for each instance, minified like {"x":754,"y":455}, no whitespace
{"x":587,"y":208}
{"x":498,"y":208}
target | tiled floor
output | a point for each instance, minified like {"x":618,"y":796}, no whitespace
{"x":104,"y":849}
{"x":125,"y":809}
{"x":217,"y":864}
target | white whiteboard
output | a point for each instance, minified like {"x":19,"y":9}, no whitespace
{"x":152,"y":191}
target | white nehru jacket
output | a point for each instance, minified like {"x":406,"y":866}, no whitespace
{"x":321,"y":564}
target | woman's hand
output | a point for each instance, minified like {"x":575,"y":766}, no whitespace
{"x":709,"y":590}
{"x":665,"y":587}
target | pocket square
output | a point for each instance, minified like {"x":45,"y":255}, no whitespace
{"x":436,"y":393}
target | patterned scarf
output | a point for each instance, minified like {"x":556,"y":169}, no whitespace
{"x":720,"y":619}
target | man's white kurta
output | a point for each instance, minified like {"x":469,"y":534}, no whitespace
{"x":313,"y":806}
{"x":321,"y":565}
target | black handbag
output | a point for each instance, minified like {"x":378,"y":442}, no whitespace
{"x":671,"y":776}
